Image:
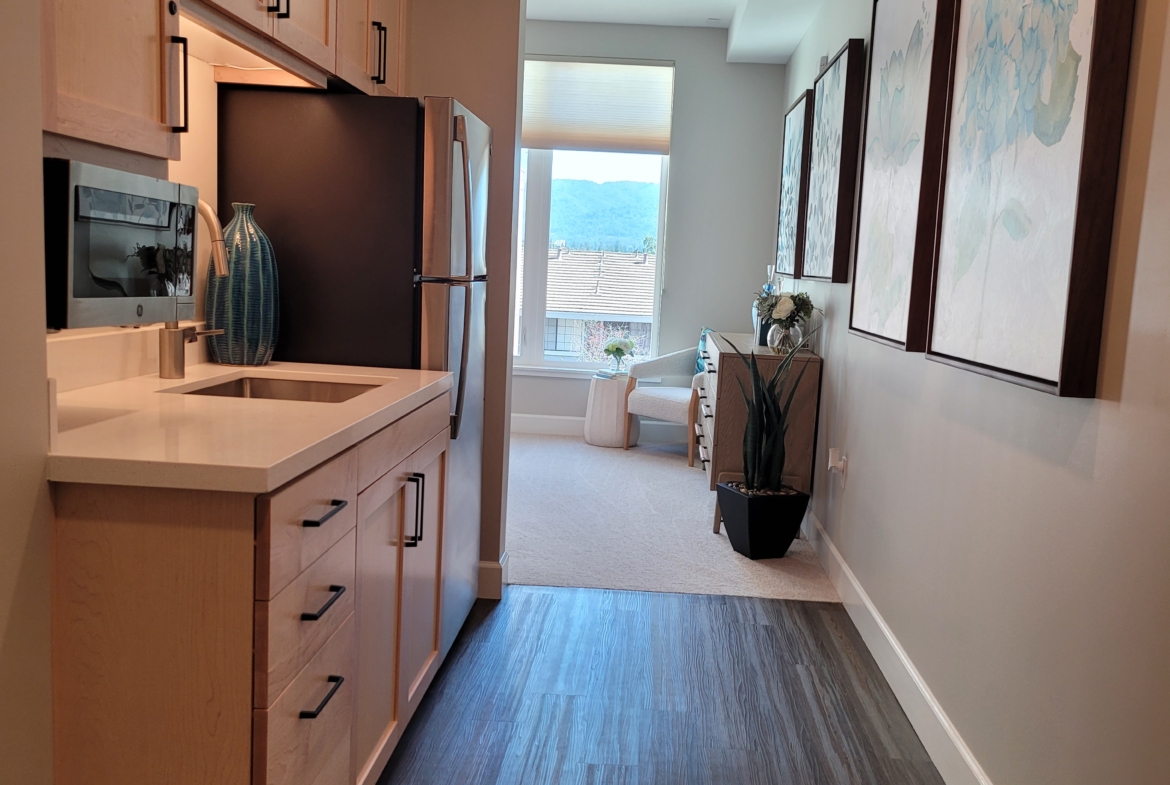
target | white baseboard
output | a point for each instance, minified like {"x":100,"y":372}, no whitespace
{"x":493,"y":577}
{"x":548,"y":424}
{"x":951,"y":755}
{"x":559,"y":425}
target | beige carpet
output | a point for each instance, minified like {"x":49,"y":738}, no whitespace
{"x":640,"y":520}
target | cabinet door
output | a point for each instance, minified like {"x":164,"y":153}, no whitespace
{"x":389,"y":14}
{"x":309,"y":28}
{"x":358,"y":44}
{"x":112,"y":73}
{"x":379,"y":551}
{"x":421,"y":568}
{"x":256,"y":13}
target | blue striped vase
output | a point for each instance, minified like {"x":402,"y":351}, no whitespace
{"x":246,"y":304}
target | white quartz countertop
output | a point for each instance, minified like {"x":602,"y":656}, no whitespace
{"x":144,"y":432}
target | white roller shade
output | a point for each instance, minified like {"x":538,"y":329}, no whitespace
{"x":597,"y":106}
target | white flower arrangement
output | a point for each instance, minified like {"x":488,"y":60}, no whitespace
{"x":785,"y":308}
{"x":619,"y":348}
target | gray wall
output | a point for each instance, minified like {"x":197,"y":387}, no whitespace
{"x":26,"y":742}
{"x":1016,"y":544}
{"x":724,"y":183}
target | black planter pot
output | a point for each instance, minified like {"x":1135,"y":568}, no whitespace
{"x":761,"y":526}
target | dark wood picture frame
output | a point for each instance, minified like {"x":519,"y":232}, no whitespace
{"x":930,"y":196}
{"x":1097,"y":185}
{"x":808,"y":98}
{"x":855,"y":68}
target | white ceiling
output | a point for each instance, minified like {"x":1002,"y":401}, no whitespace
{"x":760,"y":31}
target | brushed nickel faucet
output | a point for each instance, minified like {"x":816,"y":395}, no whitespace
{"x":172,"y":341}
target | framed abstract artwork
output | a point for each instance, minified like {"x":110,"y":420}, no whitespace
{"x":902,"y":157}
{"x":1033,"y":149}
{"x":794,"y":186}
{"x":839,"y":95}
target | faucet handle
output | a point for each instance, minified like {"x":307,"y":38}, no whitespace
{"x":191,"y":335}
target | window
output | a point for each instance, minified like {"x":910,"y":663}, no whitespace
{"x":596,"y":214}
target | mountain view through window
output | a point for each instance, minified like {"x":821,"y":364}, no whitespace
{"x":602,"y":256}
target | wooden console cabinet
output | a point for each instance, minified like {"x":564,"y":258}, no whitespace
{"x":229,"y":638}
{"x":723,"y":414}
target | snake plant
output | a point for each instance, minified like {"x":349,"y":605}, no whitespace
{"x":768,"y":406}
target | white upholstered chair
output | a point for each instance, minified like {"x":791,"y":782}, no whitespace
{"x":672,"y":404}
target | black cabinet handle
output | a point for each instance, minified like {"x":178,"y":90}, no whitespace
{"x":419,"y":480}
{"x":337,"y":592}
{"x":384,"y":47}
{"x":186,"y":126}
{"x":336,"y":681}
{"x":377,"y":78}
{"x":338,"y":506}
{"x":287,"y":9}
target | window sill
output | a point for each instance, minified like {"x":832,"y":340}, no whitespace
{"x":554,"y":373}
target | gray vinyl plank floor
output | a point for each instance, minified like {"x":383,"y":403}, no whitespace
{"x":562,"y":686}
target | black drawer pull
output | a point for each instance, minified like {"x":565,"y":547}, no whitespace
{"x":336,"y":681}
{"x":337,"y":592}
{"x":338,"y":506}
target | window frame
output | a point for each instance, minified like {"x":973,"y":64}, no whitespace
{"x":533,"y":309}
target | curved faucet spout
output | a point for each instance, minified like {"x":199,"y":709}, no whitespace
{"x":218,"y":250}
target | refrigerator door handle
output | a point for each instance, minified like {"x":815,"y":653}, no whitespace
{"x":461,"y":138}
{"x":461,"y":393}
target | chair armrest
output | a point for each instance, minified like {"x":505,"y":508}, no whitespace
{"x":681,"y":363}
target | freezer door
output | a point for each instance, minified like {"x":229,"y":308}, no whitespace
{"x":457,"y":158}
{"x":453,"y":340}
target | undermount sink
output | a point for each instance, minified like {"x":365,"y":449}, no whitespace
{"x":285,"y":389}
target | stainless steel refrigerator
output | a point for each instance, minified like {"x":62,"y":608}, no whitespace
{"x":377,"y":212}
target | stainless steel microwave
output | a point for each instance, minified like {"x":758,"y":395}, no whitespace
{"x":119,"y":247}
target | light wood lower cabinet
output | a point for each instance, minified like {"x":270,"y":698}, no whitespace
{"x":111,"y":73}
{"x":421,"y":583}
{"x":381,"y":512}
{"x":304,"y":738}
{"x":400,"y":543}
{"x":282,"y":639}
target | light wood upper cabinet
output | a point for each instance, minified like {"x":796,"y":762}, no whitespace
{"x":369,"y":48}
{"x":257,"y":13}
{"x":111,"y":73}
{"x":309,"y":28}
{"x":358,"y":44}
{"x":389,"y":14}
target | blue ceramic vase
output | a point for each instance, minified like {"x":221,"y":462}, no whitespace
{"x":245,"y":304}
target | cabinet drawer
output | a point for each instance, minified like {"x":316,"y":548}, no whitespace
{"x":302,"y":520}
{"x":290,"y":748}
{"x":285,"y":640}
{"x":393,"y":444}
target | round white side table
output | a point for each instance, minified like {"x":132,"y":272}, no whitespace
{"x":605,"y":417}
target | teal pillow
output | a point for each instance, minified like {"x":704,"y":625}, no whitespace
{"x":700,"y":365}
